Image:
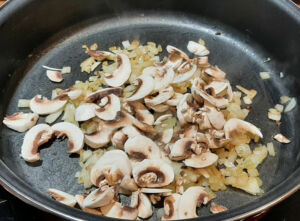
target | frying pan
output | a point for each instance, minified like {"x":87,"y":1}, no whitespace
{"x":240,"y":34}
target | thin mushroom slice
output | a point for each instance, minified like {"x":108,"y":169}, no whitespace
{"x":80,"y":199}
{"x":100,"y":138}
{"x":122,"y":120}
{"x":100,"y":55}
{"x":171,"y":207}
{"x":166,"y":135}
{"x":237,"y":126}
{"x":172,"y":50}
{"x":174,"y":100}
{"x":119,"y":139}
{"x":141,"y":112}
{"x":192,"y":198}
{"x":197,"y":49}
{"x":160,"y":108}
{"x":54,"y":76}
{"x":109,"y":110}
{"x":186,"y":74}
{"x":99,"y":198}
{"x":282,"y":139}
{"x":129,"y":184}
{"x":21,"y":121}
{"x":217,"y":87}
{"x":131,"y":131}
{"x":161,"y":118}
{"x":43,"y":106}
{"x":152,"y":173}
{"x":116,"y":210}
{"x":62,"y":197}
{"x":144,"y":206}
{"x":74,"y":134}
{"x":162,"y":96}
{"x":215,"y":208}
{"x":121,"y":74}
{"x":182,"y":149}
{"x":201,"y":161}
{"x":155,"y":190}
{"x":85,"y":111}
{"x":35,"y":137}
{"x":73,"y":93}
{"x":201,"y":62}
{"x":190,"y":131}
{"x":215,"y":117}
{"x":101,"y":93}
{"x":145,"y":85}
{"x":215,"y":73}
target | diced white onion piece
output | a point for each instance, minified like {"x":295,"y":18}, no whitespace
{"x":126,"y":44}
{"x":270,"y":147}
{"x":23,"y":103}
{"x":265,"y":75}
{"x":284,"y":99}
{"x":66,"y":70}
{"x":281,"y":74}
{"x":53,"y":117}
{"x":279,"y":107}
{"x":291,"y":105}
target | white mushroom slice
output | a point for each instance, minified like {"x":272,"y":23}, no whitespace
{"x":145,"y":85}
{"x":174,"y":100}
{"x":100,"y":138}
{"x":182,"y":106}
{"x":122,"y":120}
{"x":112,"y":166}
{"x":140,"y":125}
{"x":173,"y":50}
{"x":85,"y":111}
{"x":161,"y":118}
{"x":98,"y":95}
{"x":217,"y":87}
{"x":218,"y":102}
{"x":144,"y":206}
{"x":158,"y":108}
{"x":35,"y":137}
{"x":171,"y":207}
{"x":192,"y":198}
{"x":110,"y":109}
{"x":131,"y":131}
{"x":237,"y":126}
{"x":190,"y":131}
{"x":141,"y":112}
{"x":73,"y":93}
{"x":141,"y":147}
{"x":282,"y":139}
{"x":80,"y":199}
{"x":100,"y":55}
{"x":215,"y":73}
{"x":128,"y":183}
{"x":166,"y":135}
{"x":54,"y":76}
{"x":197,"y":49}
{"x":201,"y":161}
{"x":215,"y":208}
{"x":21,"y":121}
{"x":182,"y":149}
{"x":162,"y":96}
{"x":44,"y":106}
{"x":119,"y":139}
{"x":186,"y":74}
{"x":201,"y":62}
{"x":121,"y":74}
{"x":62,"y":197}
{"x":155,"y":190}
{"x":99,"y":198}
{"x":116,"y":210}
{"x":215,"y":117}
{"x":152,"y":173}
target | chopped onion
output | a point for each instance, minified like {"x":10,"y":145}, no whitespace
{"x":291,"y":105}
{"x":284,"y":99}
{"x":126,"y":44}
{"x":270,"y":148}
{"x":274,"y":114}
{"x":279,"y":107}
{"x":265,"y":75}
{"x":53,"y":117}
{"x":281,"y":74}
{"x":66,"y":70}
{"x":23,"y":103}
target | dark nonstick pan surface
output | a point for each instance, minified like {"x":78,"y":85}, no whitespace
{"x":240,"y":41}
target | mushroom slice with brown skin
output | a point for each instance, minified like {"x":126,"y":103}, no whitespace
{"x":131,"y":131}
{"x":197,"y":49}
{"x":144,"y":206}
{"x":188,"y":71}
{"x":116,"y":210}
{"x":215,"y":73}
{"x":141,"y":147}
{"x":215,"y":208}
{"x":192,"y":198}
{"x":282,"y":139}
{"x":166,"y":135}
{"x":217,"y":87}
{"x":158,"y":108}
{"x":171,"y":207}
{"x":85,"y":111}
{"x":62,"y":197}
{"x":152,"y":173}
{"x":119,"y":139}
{"x":141,"y":112}
{"x":182,"y":149}
{"x":174,"y":100}
{"x":80,"y":199}
{"x":101,"y":93}
{"x":183,"y":106}
{"x":99,"y":197}
{"x":128,"y":183}
{"x":155,"y":190}
{"x":161,"y":118}
{"x":100,"y":138}
{"x":54,"y":76}
{"x":74,"y":134}
{"x":121,"y":74}
{"x":122,"y":120}
{"x":100,"y":55}
{"x":201,"y":62}
{"x":109,"y":109}
{"x":43,"y":106}
{"x":35,"y":137}
{"x":215,"y":141}
{"x":215,"y":117}
{"x":162,"y":96}
{"x":190,"y":131}
{"x":201,"y":161}
{"x":112,"y":166}
{"x":21,"y":121}
{"x":237,"y":126}
{"x":172,"y":50}
{"x":145,"y":85}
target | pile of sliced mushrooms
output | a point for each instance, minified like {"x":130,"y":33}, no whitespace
{"x":148,"y":130}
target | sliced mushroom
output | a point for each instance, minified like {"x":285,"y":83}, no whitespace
{"x":282,"y":139}
{"x":119,"y":139}
{"x":161,"y":118}
{"x":141,"y":112}
{"x":85,"y":111}
{"x":144,"y":206}
{"x":197,"y":49}
{"x":201,"y":161}
{"x":162,"y":96}
{"x":215,"y":208}
{"x":175,"y":51}
{"x":215,"y":141}
{"x":152,"y":173}
{"x":166,"y":135}
{"x":122,"y":120}
{"x":21,"y":121}
{"x":80,"y":199}
{"x":171,"y":207}
{"x":215,"y":73}
{"x":54,"y":76}
{"x":140,"y":147}
{"x":188,"y":70}
{"x":174,"y":100}
{"x":74,"y":134}
{"x":73,"y":93}
{"x":155,"y":190}
{"x":201,"y":62}
{"x":217,"y":87}
{"x":192,"y":198}
{"x":98,"y":95}
{"x":100,"y":138}
{"x":62,"y":197}
{"x":237,"y":126}
{"x":99,"y":198}
{"x":140,"y":125}
{"x":43,"y":106}
{"x":109,"y":110}
{"x":129,"y":184}
{"x":116,"y":210}
{"x":145,"y":85}
{"x":100,"y":55}
{"x":184,"y":110}
{"x":121,"y":74}
{"x":131,"y":131}
{"x":190,"y":131}
{"x":215,"y":117}
{"x":112,"y":166}
{"x":158,"y":108}
{"x":182,"y":149}
{"x":35,"y":137}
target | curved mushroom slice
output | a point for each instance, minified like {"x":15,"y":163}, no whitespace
{"x":237,"y":126}
{"x":35,"y":137}
{"x":174,"y":100}
{"x":215,"y":73}
{"x":215,"y":141}
{"x":121,"y":74}
{"x":99,"y":198}
{"x":74,"y":134}
{"x":158,"y":108}
{"x":215,"y":117}
{"x":190,"y":200}
{"x":190,"y":131}
{"x":131,"y":131}
{"x":175,"y":51}
{"x":155,"y":190}
{"x":201,"y":161}
{"x":217,"y":87}
{"x":152,"y":173}
{"x":100,"y":138}
{"x":183,"y":107}
{"x":112,"y":166}
{"x":73,"y":93}
{"x":166,"y":136}
{"x":119,"y":139}
{"x":109,"y":110}
{"x":80,"y":199}
{"x":144,"y":206}
{"x":282,"y":139}
{"x":44,"y":106}
{"x":161,"y":118}
{"x":182,"y":149}
{"x":187,"y":72}
{"x":141,"y":147}
{"x":21,"y":121}
{"x":85,"y":111}
{"x":197,"y":49}
{"x":141,"y":112}
{"x":116,"y":210}
{"x":201,"y":62}
{"x":140,"y":125}
{"x":129,"y":184}
{"x":145,"y":85}
{"x":62,"y":197}
{"x":217,"y":208}
{"x":100,"y":55}
{"x":162,"y":96}
{"x":98,"y":95}
{"x":171,"y":207}
{"x":122,"y":120}
{"x":54,"y":76}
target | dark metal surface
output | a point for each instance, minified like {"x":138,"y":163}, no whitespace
{"x":247,"y":39}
